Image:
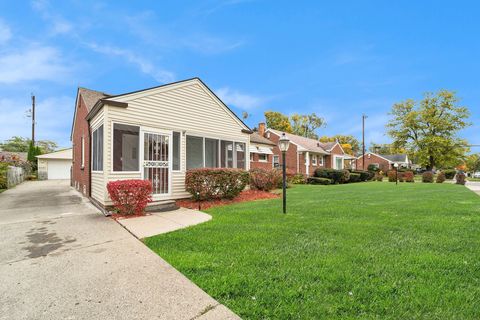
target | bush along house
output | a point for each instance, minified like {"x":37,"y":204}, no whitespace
{"x":383,"y":162}
{"x":261,"y":151}
{"x":156,"y":134}
{"x":305,"y":155}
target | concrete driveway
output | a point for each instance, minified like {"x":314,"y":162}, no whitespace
{"x":61,"y":259}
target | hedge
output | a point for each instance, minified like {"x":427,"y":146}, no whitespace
{"x":317,"y":180}
{"x":409,"y":176}
{"x":336,"y":176}
{"x":460,"y":178}
{"x":427,"y":177}
{"x":130,"y":196}
{"x":266,"y":180}
{"x":441,"y":177}
{"x":3,"y":174}
{"x":217,"y":183}
{"x":355,"y":177}
{"x":449,"y":173}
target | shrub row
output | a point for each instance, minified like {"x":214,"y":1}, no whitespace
{"x":317,"y":180}
{"x":218,"y":183}
{"x":343,"y":176}
{"x":266,"y":180}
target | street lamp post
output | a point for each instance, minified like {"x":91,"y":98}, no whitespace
{"x":283,"y":144}
{"x":396,"y":173}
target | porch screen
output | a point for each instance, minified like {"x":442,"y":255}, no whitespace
{"x":194,"y":152}
{"x":126,"y":141}
{"x":211,"y":153}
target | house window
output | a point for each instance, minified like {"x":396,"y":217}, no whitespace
{"x":97,"y":149}
{"x":211,"y":153}
{"x":240,"y":156}
{"x":126,"y":141}
{"x":194,"y":152}
{"x":176,"y":151}
{"x":314,"y":160}
{"x":83,"y":152}
{"x":321,"y":160}
{"x":338,"y":163}
{"x":226,"y":154}
{"x":276,"y":161}
{"x":262,"y":157}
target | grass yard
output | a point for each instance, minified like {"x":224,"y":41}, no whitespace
{"x":367,"y":250}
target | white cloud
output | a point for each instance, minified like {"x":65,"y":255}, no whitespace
{"x":5,"y":32}
{"x":145,"y":66}
{"x":33,"y":63}
{"x":240,"y":100}
{"x":58,"y":25}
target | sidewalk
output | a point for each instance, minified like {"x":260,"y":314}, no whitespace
{"x":474,"y":186}
{"x":163,"y":222}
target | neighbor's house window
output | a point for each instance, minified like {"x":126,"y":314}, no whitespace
{"x":314,"y":160}
{"x":97,"y":149}
{"x":262,"y":157}
{"x":126,"y":142}
{"x":176,"y":151}
{"x":321,"y":160}
{"x":276,"y":161}
{"x":83,"y":152}
{"x":212,"y":153}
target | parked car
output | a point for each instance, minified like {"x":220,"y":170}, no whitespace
{"x":476,"y":174}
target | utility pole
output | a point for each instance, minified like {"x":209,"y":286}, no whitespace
{"x":33,"y":119}
{"x":363,"y":140}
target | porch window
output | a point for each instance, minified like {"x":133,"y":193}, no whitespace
{"x":97,"y":149}
{"x":176,"y":151}
{"x":211,"y":153}
{"x":194,"y":152}
{"x":226,"y":154}
{"x":240,"y":156}
{"x":126,"y":141}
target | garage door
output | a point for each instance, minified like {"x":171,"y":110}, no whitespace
{"x":59,"y":169}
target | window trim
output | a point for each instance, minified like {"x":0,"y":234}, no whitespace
{"x":314,"y":160}
{"x":140,"y":146}
{"x":103,"y":144}
{"x":266,"y":157}
{"x":273,"y":160}
{"x":321,"y":161}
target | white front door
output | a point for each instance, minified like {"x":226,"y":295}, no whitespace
{"x":157,"y":162}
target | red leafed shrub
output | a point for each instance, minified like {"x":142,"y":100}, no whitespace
{"x":409,"y":176}
{"x":441,"y":177}
{"x":427,"y":177}
{"x":460,"y":178}
{"x":218,"y":183}
{"x":266,"y":180}
{"x":392,"y":176}
{"x":130,"y":196}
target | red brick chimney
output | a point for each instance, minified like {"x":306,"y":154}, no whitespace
{"x":261,"y":129}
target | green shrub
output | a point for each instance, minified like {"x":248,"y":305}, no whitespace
{"x":460,"y":178}
{"x":317,"y":180}
{"x":409,"y":176}
{"x":355,"y":177}
{"x":449,"y":173}
{"x":345,"y":176}
{"x":427,"y":177}
{"x":217,"y":183}
{"x":266,"y":180}
{"x":298,"y":178}
{"x":335,"y":175}
{"x":372,"y":167}
{"x":3,"y":175}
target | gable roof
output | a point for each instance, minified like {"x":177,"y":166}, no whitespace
{"x":395,"y":157}
{"x":305,"y":144}
{"x":256,"y":138}
{"x":90,"y":98}
{"x":60,"y":154}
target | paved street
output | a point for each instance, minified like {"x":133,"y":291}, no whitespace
{"x":61,"y":259}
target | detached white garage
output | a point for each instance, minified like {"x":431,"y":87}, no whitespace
{"x":55,"y":165}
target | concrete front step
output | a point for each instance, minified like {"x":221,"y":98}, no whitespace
{"x":161,"y":206}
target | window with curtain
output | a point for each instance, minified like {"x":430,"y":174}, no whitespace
{"x":176,"y":151}
{"x":126,"y":141}
{"x":97,"y":149}
{"x":194,"y":152}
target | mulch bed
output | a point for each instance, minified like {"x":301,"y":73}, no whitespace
{"x":247,"y":195}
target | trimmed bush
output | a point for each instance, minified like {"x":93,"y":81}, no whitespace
{"x":216,"y":183}
{"x":3,"y":174}
{"x":449,"y":173}
{"x":378,"y":176}
{"x":345,"y":176}
{"x":427,"y":177}
{"x":392,"y":176}
{"x":130,"y":196}
{"x":409,"y":176}
{"x":355,"y":177}
{"x":263,"y":179}
{"x":460,"y":178}
{"x":372,"y":167}
{"x":299,"y":178}
{"x":335,"y":175}
{"x":440,"y":177}
{"x":317,"y":180}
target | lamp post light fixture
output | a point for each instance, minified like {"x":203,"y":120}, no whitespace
{"x":396,"y":173}
{"x":283,"y":144}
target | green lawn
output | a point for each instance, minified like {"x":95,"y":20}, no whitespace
{"x":368,"y":250}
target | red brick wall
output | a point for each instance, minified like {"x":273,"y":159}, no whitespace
{"x":80,"y":176}
{"x":291,"y":156}
{"x":262,"y":165}
{"x":337,"y":150}
{"x":383,"y":164}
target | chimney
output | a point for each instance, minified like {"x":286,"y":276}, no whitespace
{"x":261,"y":129}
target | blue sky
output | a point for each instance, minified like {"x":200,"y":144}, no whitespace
{"x":337,"y":59}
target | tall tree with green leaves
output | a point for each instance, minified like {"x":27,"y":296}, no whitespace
{"x":21,"y":144}
{"x":278,"y":121}
{"x":305,"y":124}
{"x":429,"y":128}
{"x":472,"y":162}
{"x":349,"y":143}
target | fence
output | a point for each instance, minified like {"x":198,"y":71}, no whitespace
{"x":15,"y":175}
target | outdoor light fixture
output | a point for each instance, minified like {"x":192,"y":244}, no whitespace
{"x":283,"y":144}
{"x":396,"y":173}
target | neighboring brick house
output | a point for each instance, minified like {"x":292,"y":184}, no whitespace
{"x":383,"y":162}
{"x":305,"y":155}
{"x":261,"y":150}
{"x":80,"y":177}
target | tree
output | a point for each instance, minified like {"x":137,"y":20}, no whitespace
{"x":305,"y":124}
{"x":472,"y":162}
{"x":428,"y":129}
{"x":278,"y":121}
{"x":349,"y":143}
{"x":47,"y":146}
{"x":21,"y":144}
{"x":385,"y":148}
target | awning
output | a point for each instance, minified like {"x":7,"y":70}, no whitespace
{"x":258,"y":149}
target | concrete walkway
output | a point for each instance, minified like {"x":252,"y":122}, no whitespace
{"x":61,"y":259}
{"x":163,"y":222}
{"x":474,"y":186}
